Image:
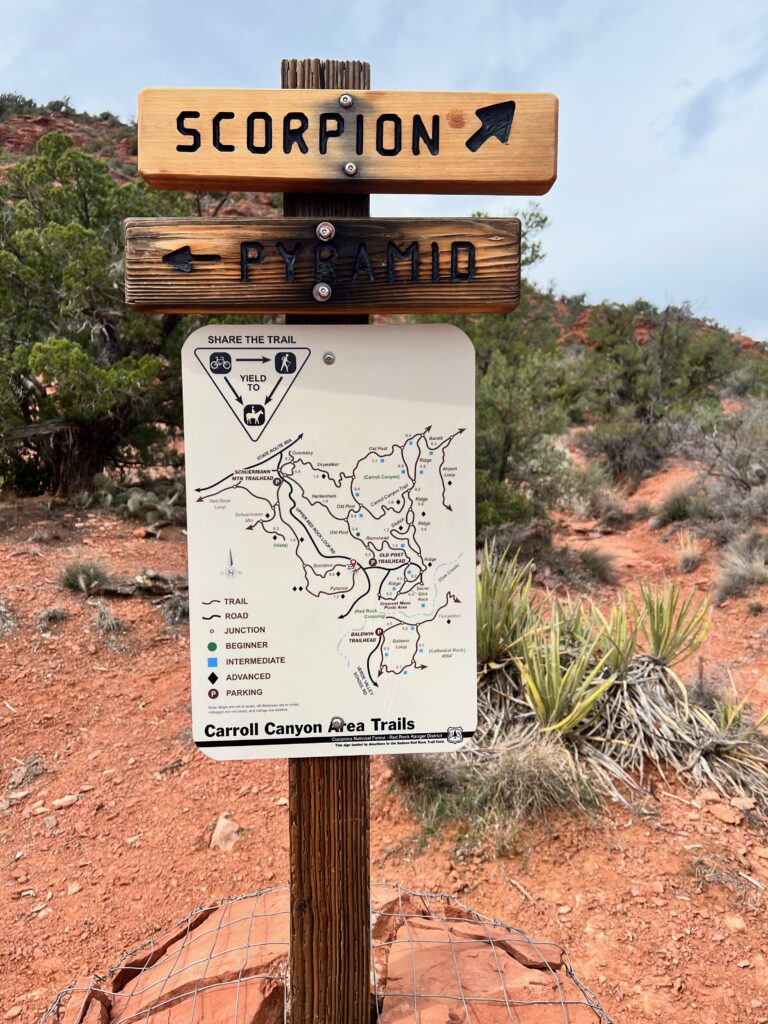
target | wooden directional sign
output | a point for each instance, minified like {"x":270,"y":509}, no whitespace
{"x":358,"y":141}
{"x":207,"y":265}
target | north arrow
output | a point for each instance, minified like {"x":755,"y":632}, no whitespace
{"x":226,"y":381}
{"x":182,"y":259}
{"x":496,"y":121}
{"x":274,"y":389}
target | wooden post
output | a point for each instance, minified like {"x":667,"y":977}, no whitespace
{"x":329,"y":797}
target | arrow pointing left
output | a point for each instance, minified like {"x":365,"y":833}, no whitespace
{"x":183,"y":258}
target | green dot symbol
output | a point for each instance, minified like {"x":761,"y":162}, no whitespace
{"x":212,"y":646}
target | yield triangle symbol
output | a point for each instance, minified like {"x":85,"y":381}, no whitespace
{"x":253,"y":382}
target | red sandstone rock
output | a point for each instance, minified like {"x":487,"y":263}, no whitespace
{"x":244,"y":939}
{"x":471,"y":979}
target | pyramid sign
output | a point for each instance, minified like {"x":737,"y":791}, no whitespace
{"x":253,"y":386}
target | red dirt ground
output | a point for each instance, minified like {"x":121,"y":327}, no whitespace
{"x":130,"y":855}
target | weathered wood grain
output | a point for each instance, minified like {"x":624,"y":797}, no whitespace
{"x":301,"y":139}
{"x":329,"y":798}
{"x":465,"y":265}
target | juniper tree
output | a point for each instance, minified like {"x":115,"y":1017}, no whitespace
{"x":84,"y":383}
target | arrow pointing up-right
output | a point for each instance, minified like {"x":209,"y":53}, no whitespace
{"x":496,"y":121}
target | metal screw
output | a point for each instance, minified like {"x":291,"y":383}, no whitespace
{"x":350,"y":169}
{"x":325,"y":231}
{"x":345,"y":100}
{"x":329,"y":358}
{"x":322,"y":292}
{"x":337,"y":724}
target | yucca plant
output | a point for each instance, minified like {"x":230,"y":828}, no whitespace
{"x":617,"y":636}
{"x":504,"y":606}
{"x":673,"y":627}
{"x":561,"y":688}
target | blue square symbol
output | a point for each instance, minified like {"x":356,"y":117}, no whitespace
{"x":213,"y":663}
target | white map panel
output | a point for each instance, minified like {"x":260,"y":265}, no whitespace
{"x":330,"y":491}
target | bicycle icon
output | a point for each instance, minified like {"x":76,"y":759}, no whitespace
{"x":220,"y":362}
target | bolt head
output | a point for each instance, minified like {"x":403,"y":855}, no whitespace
{"x":329,"y":358}
{"x":350,"y":169}
{"x":345,"y":100}
{"x":325,"y":231}
{"x":322,"y":292}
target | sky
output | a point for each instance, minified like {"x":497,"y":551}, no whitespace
{"x":663,"y":145}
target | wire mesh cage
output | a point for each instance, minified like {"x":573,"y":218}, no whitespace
{"x":433,"y":961}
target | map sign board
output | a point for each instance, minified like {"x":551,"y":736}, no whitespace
{"x":330,"y":482}
{"x":348,"y":141}
{"x":408,"y":265}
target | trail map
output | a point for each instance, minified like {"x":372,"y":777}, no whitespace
{"x":331,"y":534}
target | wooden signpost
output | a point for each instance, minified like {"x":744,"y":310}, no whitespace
{"x":357,"y":141}
{"x":327,"y":141}
{"x":307,"y":265}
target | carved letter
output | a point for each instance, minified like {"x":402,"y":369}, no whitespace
{"x":289,"y":259}
{"x":259,"y":115}
{"x":223,"y":147}
{"x":294,"y":136}
{"x":193,"y":133}
{"x":411,"y":253}
{"x":251,"y":253}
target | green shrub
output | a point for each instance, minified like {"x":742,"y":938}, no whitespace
{"x":82,"y":576}
{"x":744,"y":566}
{"x":599,"y":564}
{"x":630,"y":448}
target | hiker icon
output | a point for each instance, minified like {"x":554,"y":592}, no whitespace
{"x":285,"y":362}
{"x":253,"y":415}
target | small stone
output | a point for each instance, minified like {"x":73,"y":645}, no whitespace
{"x":141,"y":531}
{"x":724,"y":813}
{"x":743,"y":803}
{"x":565,"y":909}
{"x":226,"y":832}
{"x":73,"y":888}
{"x":706,"y":796}
{"x":65,"y":801}
{"x":50,"y":821}
{"x":12,"y":1013}
{"x":743,"y":964}
{"x":282,"y":801}
{"x":734,"y":923}
{"x":761,"y":851}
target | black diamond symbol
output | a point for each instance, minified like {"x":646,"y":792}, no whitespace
{"x":212,"y":678}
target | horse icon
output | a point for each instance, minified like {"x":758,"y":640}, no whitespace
{"x":253,"y":415}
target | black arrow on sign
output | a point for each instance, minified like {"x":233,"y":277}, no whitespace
{"x":226,"y":381}
{"x":496,"y":121}
{"x":256,"y":359}
{"x":274,"y":389}
{"x":182,"y":259}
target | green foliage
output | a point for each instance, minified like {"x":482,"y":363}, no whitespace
{"x":504,"y":608}
{"x":653,"y":361}
{"x":673,"y":627}
{"x":617,"y":636}
{"x":599,"y":564}
{"x":82,"y":576}
{"x":630,"y":447}
{"x":563,"y":696}
{"x":84,"y":383}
